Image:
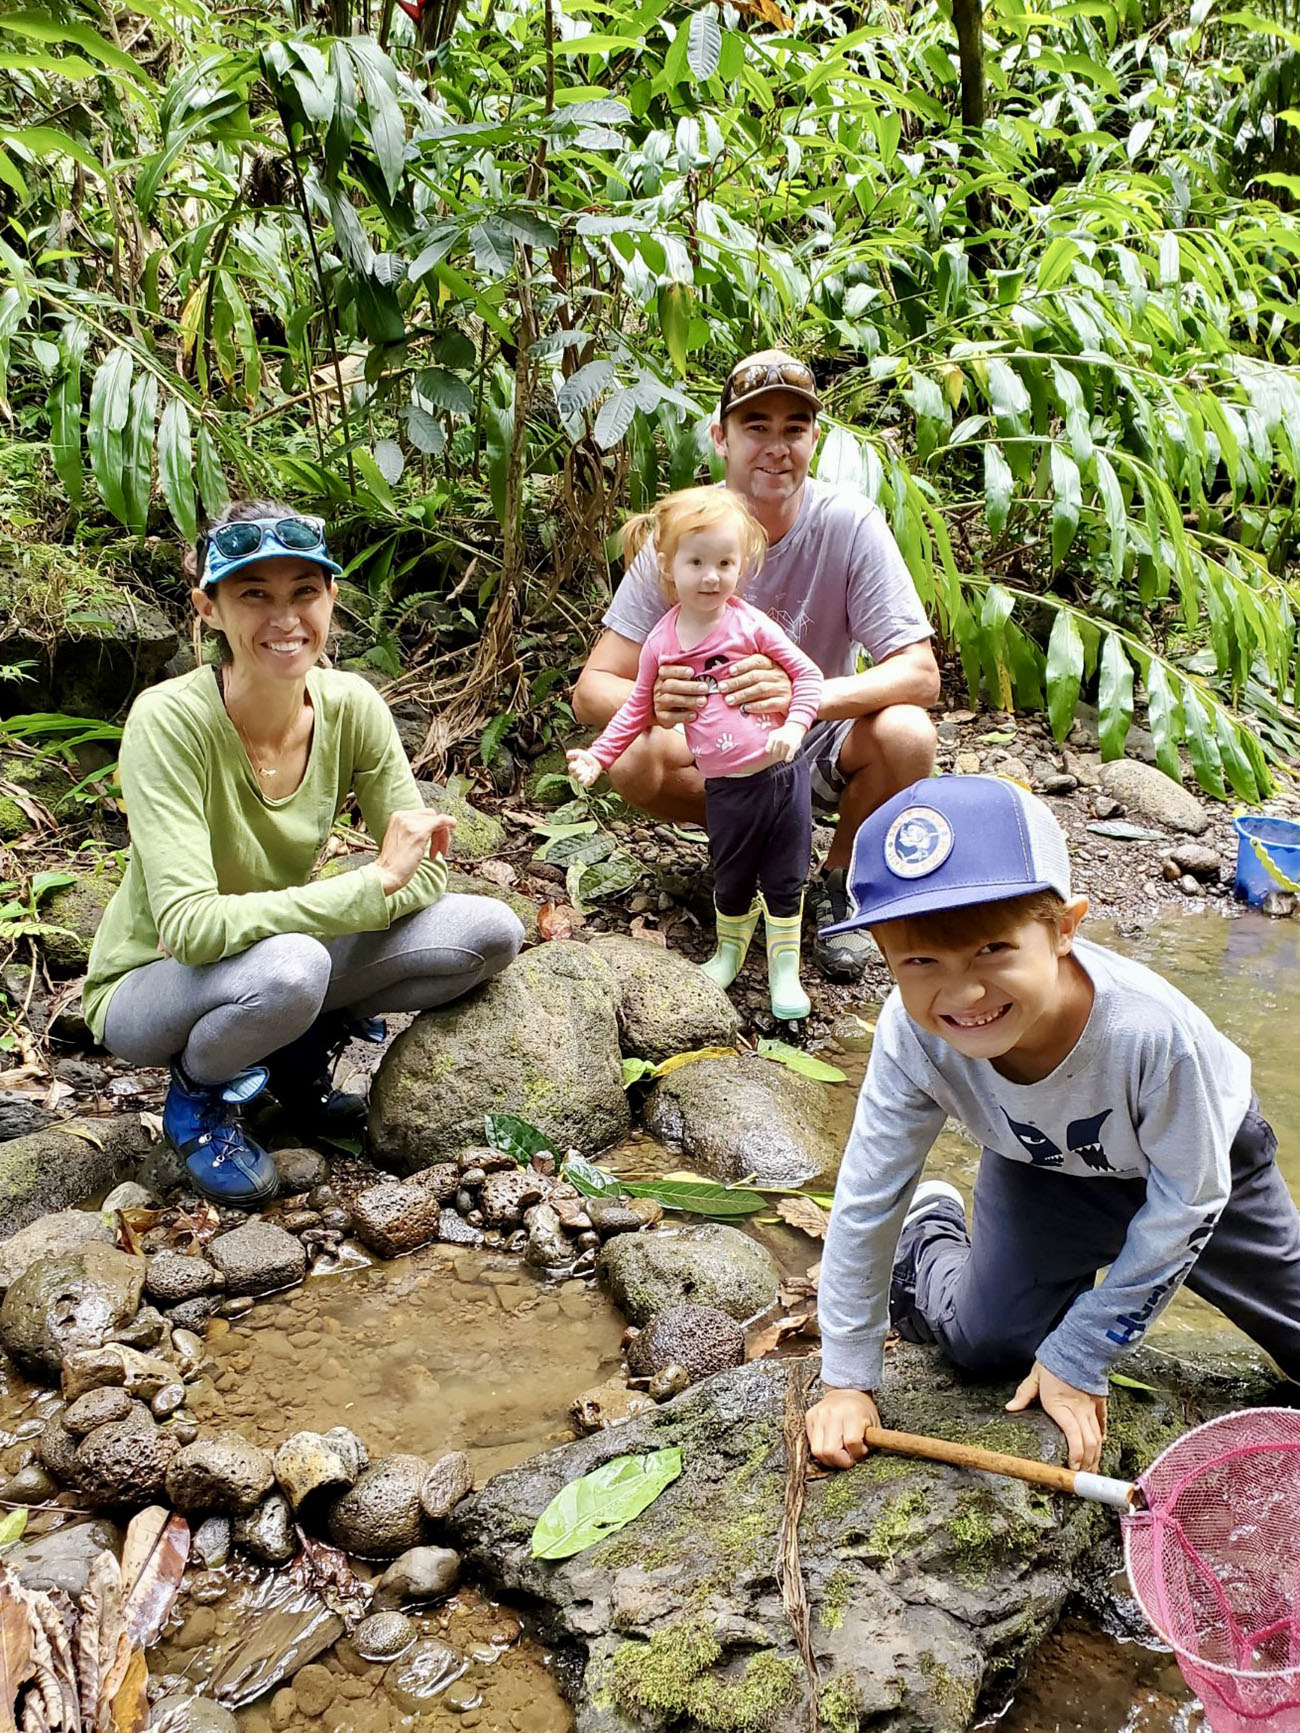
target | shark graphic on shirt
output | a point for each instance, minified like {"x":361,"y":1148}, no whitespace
{"x":1042,"y":1151}
{"x":1083,"y":1138}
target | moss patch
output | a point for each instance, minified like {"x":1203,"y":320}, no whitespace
{"x":894,"y":1524}
{"x":670,"y":1676}
{"x":839,"y":1705}
{"x":835,"y":1600}
{"x":953,"y":1696}
{"x":14,"y":822}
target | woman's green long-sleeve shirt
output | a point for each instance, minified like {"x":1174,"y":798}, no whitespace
{"x":215,"y":864}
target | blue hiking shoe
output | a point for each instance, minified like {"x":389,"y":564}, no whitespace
{"x":201,"y":1122}
{"x":301,"y":1075}
{"x":936,"y":1211}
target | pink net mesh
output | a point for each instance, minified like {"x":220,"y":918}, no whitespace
{"x":1214,"y":1561}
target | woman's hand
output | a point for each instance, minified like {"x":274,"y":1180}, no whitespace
{"x":837,"y":1426}
{"x":410,"y":839}
{"x":1081,"y":1417}
{"x":757,"y":686}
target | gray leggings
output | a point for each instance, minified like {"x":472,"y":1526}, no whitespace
{"x":227,"y":1015}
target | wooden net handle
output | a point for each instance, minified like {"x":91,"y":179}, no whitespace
{"x":1120,"y":1493}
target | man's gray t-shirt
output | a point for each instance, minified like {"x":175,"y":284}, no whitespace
{"x":835,"y":580}
{"x":1151,"y":1090}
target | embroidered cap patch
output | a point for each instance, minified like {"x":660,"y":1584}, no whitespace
{"x":918,"y":842}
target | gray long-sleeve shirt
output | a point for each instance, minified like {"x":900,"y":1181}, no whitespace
{"x":1151,"y":1090}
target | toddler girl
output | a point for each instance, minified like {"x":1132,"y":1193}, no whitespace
{"x":758,"y":804}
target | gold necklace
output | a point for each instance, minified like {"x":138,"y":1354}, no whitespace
{"x":253,"y":754}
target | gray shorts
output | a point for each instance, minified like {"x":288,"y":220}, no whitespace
{"x":821,"y":746}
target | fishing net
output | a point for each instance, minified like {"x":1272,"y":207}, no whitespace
{"x":1214,"y":1561}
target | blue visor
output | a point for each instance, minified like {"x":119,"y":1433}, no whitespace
{"x":232,"y":546}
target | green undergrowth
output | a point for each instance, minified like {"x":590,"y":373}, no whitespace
{"x":671,"y":1676}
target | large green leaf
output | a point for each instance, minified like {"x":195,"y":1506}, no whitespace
{"x":592,"y":1181}
{"x":602,"y":1502}
{"x":1164,"y":720}
{"x":795,"y":1059}
{"x":1067,"y":500}
{"x":998,"y":485}
{"x":1114,"y":697}
{"x":704,"y":42}
{"x":1203,"y":745}
{"x":110,"y":405}
{"x":701,"y":1197}
{"x":515,"y":1137}
{"x":176,"y":467}
{"x":1064,"y":672}
{"x":65,"y":410}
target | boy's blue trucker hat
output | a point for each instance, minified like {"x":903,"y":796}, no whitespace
{"x":951,"y":841}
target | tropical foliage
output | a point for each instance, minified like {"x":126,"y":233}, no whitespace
{"x":469,"y":283}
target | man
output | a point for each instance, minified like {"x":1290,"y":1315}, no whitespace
{"x":833,"y":579}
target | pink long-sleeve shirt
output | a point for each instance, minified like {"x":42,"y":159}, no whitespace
{"x":725,"y":740}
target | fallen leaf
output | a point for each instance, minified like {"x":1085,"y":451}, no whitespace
{"x":499,"y":871}
{"x":84,"y":1133}
{"x":133,"y":1224}
{"x":152,"y":1123}
{"x":15,"y":1651}
{"x":677,"y":1060}
{"x":639,"y":930}
{"x":555,"y":921}
{"x":772,"y":1335}
{"x":802,"y":1213}
{"x":129,"y":1709}
{"x":154,"y":1553}
{"x":56,"y":1094}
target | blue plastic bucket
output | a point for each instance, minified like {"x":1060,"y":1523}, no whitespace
{"x":1280,"y":839}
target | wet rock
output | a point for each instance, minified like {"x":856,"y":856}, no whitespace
{"x":188,"y":1349}
{"x":125,"y":1463}
{"x":454,"y":1230}
{"x":97,"y":1408}
{"x":300,"y":1170}
{"x":381,"y":1515}
{"x":708,"y":1265}
{"x":22,"y":1113}
{"x":506,"y":1195}
{"x":664,"y":1004}
{"x":608,"y":1404}
{"x":60,"y":1304}
{"x":167,"y":1401}
{"x":52,"y":1236}
{"x":315,"y":1688}
{"x":549,"y":1247}
{"x":55,"y":1169}
{"x":171,"y":1277}
{"x":622,"y":1215}
{"x":699,"y":1338}
{"x":258,"y":1258}
{"x":146,"y":1330}
{"x":395,"y":1217}
{"x":1280,"y":905}
{"x":77,"y":909}
{"x":443,"y":1179}
{"x":177,"y":1713}
{"x":383,"y":1636}
{"x":450,"y":1478}
{"x":268,"y":1532}
{"x":745,"y":1115}
{"x":183,"y":1428}
{"x":351,"y":1450}
{"x":421,"y":1673}
{"x":1198,"y":859}
{"x":423,"y":1573}
{"x":210,"y":1544}
{"x":668,"y":1381}
{"x":63,"y":1559}
{"x":477,"y":835}
{"x":540,"y":1040}
{"x":58,"y":1448}
{"x":31,"y":1485}
{"x":223,"y":1473}
{"x":308,"y":1465}
{"x":142,"y":1375}
{"x":1144,"y":788}
{"x":129,"y":1195}
{"x":193,"y":1314}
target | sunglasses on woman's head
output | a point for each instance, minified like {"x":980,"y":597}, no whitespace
{"x":235,"y":541}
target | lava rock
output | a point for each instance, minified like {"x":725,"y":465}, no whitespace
{"x":454,"y":1230}
{"x":268,"y":1532}
{"x":146,"y":1330}
{"x":300,"y":1170}
{"x":97,"y":1408}
{"x":700,"y":1338}
{"x":396,"y":1217}
{"x":450,"y":1478}
{"x":383,"y":1636}
{"x":424,"y":1573}
{"x":382,"y":1514}
{"x":171,"y":1277}
{"x":211,"y":1541}
{"x":193,"y":1314}
{"x":744,"y":1115}
{"x":443,"y":1179}
{"x":52,"y":1236}
{"x":308,"y":1465}
{"x":142,"y":1375}
{"x":622,"y":1215}
{"x":125,"y":1463}
{"x":608,"y":1404}
{"x":507,"y":1195}
{"x":58,"y":1448}
{"x":1146,"y":789}
{"x":223,"y":1473}
{"x":78,"y":1300}
{"x":664,"y":1004}
{"x":549,"y":1247}
{"x":258,"y":1258}
{"x":709,"y":1264}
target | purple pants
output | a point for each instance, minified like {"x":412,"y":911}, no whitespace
{"x":760,"y":837}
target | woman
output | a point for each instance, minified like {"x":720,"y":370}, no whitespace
{"x":219,"y":951}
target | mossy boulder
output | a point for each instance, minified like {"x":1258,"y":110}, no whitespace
{"x":71,"y":916}
{"x":118,"y":645}
{"x":477,"y":835}
{"x":552,"y":762}
{"x":59,"y":1168}
{"x":14,"y":822}
{"x":709,"y":1264}
{"x":665,"y":1004}
{"x":743,"y":1115}
{"x":466,"y":885}
{"x":44,"y":778}
{"x":540,"y":1040}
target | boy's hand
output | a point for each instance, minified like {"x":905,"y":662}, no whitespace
{"x":757,"y":686}
{"x":836,"y":1426}
{"x":584,"y":766}
{"x":1081,"y":1417}
{"x":783,"y":742}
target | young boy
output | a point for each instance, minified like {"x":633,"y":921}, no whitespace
{"x":1119,"y":1129}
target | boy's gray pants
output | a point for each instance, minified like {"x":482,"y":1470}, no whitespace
{"x":1039,"y":1239}
{"x":224,"y":1016}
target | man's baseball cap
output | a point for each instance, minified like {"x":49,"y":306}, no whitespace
{"x":949,"y":842}
{"x":768,"y":370}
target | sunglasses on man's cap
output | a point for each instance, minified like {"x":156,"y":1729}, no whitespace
{"x":756,"y":374}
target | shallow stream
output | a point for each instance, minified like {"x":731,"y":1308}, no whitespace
{"x":451,"y":1349}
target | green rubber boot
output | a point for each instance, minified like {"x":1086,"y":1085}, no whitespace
{"x":734,"y":934}
{"x":789,"y":1001}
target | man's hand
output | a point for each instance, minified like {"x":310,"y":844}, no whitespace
{"x":678,"y":695}
{"x":410,"y":839}
{"x":584,"y":766}
{"x":1081,"y":1417}
{"x":837,"y":1425}
{"x":757,"y":686}
{"x":783,"y":743}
